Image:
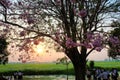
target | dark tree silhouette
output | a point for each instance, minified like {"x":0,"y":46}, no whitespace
{"x":114,"y":50}
{"x":3,"y":51}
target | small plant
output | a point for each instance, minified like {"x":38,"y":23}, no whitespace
{"x":64,"y":61}
{"x":91,"y":64}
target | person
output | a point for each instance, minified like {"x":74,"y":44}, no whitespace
{"x":98,"y":72}
{"x":88,"y":73}
{"x":114,"y":74}
{"x":15,"y":75}
{"x":94,"y":74}
{"x":10,"y":78}
{"x":20,"y":75}
{"x":2,"y":78}
{"x":104,"y":75}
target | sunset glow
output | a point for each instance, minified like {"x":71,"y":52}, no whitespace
{"x":38,"y":49}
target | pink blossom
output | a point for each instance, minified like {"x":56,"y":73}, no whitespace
{"x":118,"y":50}
{"x":69,"y":43}
{"x":89,"y":45}
{"x":114,"y":40}
{"x":46,"y":1}
{"x":12,"y":46}
{"x":41,"y":39}
{"x":24,"y":61}
{"x":28,"y":40}
{"x":22,"y":33}
{"x":82,"y":13}
{"x":74,"y":10}
{"x":36,"y":42}
{"x":6,"y":3}
{"x":58,"y":2}
{"x":30,"y":20}
{"x":73,"y":1}
{"x":97,"y":43}
{"x":57,"y":36}
{"x":5,"y":30}
{"x":94,"y":41}
{"x":20,"y":49}
{"x":24,"y":15}
{"x":1,"y":23}
{"x":26,"y":48}
{"x":90,"y":35}
{"x":98,"y":49}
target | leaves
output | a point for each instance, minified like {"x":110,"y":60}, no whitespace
{"x":114,"y":42}
{"x":3,"y":44}
{"x":6,"y":3}
{"x":3,"y":51}
{"x":82,"y":13}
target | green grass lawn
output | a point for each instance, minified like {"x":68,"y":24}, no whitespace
{"x":108,"y":64}
{"x":31,"y":66}
{"x":50,"y":68}
{"x":34,"y":68}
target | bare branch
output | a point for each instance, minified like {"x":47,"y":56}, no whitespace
{"x":39,"y":33}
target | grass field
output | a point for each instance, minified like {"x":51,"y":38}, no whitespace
{"x":107,"y":64}
{"x":49,"y":68}
{"x":34,"y":68}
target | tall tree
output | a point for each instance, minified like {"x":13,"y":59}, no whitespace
{"x":114,"y":51}
{"x":75,"y":25}
{"x":3,"y":51}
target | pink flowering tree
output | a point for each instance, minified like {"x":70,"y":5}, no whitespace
{"x":76,"y":26}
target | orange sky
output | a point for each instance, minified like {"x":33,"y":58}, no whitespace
{"x":53,"y":56}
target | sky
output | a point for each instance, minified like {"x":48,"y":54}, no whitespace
{"x":98,"y":56}
{"x":53,"y":56}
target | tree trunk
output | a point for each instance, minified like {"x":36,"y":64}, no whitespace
{"x":79,"y":62}
{"x":80,"y":70}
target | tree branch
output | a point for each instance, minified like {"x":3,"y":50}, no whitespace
{"x":90,"y":51}
{"x":30,"y":30}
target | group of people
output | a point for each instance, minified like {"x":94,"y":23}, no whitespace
{"x":102,"y":74}
{"x":16,"y":76}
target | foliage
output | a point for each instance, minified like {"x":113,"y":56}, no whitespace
{"x":64,"y":61}
{"x":3,"y":44}
{"x":91,"y":65}
{"x":114,"y":51}
{"x":3,"y":51}
{"x":75,"y":25}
